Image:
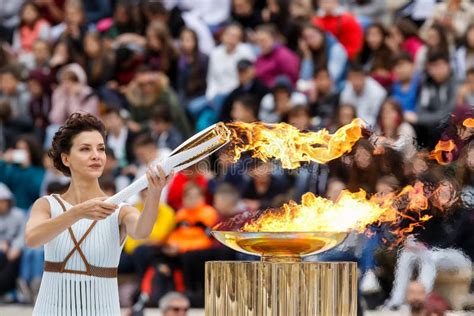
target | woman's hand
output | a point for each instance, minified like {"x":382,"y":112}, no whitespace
{"x":94,"y":209}
{"x":157,"y":180}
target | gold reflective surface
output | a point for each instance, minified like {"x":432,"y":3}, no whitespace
{"x":278,"y":246}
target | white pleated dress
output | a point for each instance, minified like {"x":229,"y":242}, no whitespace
{"x":76,"y":290}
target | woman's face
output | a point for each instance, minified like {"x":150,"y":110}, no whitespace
{"x":433,"y":38}
{"x":470,"y":38}
{"x":395,"y":35}
{"x":29,"y":14}
{"x":313,"y":38}
{"x":153,"y":40}
{"x":362,"y":158}
{"x":390,"y":115}
{"x":92,"y":46}
{"x":87,"y":156}
{"x":346,"y":115}
{"x":192,"y":199}
{"x":374,"y":38}
{"x":188,"y":44}
{"x":121,"y":15}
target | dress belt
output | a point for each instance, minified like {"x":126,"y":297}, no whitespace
{"x":101,"y":272}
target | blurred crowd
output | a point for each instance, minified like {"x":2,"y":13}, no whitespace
{"x":157,"y":71}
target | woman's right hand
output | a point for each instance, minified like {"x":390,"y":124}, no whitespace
{"x":94,"y":209}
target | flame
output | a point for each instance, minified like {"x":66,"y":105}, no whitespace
{"x":291,"y":146}
{"x":469,"y":122}
{"x":351,"y":211}
{"x":442,"y":148}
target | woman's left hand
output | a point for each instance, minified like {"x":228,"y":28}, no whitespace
{"x":157,"y":179}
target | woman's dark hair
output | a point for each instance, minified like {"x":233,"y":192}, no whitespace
{"x":407,"y":28}
{"x":62,"y":141}
{"x":396,"y":106}
{"x":198,"y":67}
{"x":168,"y":51}
{"x":24,"y":6}
{"x":34,"y":148}
{"x":443,"y":46}
{"x":320,"y":56}
{"x":380,"y":58}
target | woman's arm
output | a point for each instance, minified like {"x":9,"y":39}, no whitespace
{"x":139,"y":225}
{"x":41,"y":228}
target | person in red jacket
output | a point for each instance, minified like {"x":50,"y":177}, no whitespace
{"x":332,"y":18}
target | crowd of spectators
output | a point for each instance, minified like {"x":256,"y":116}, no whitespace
{"x":157,"y":71}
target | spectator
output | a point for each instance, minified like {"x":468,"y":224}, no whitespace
{"x":465,"y":54}
{"x":227,"y":201}
{"x":391,"y":124}
{"x":161,"y":54}
{"x":51,"y":10}
{"x":344,"y":114}
{"x":123,"y":21}
{"x":436,"y":100}
{"x":465,"y":93}
{"x":454,"y":15}
{"x":244,"y":109}
{"x":274,"y":59}
{"x":243,"y":12}
{"x":332,"y":18}
{"x":32,"y":27}
{"x":22,"y":170}
{"x":222,"y":76}
{"x":192,"y":220}
{"x":98,"y":61}
{"x":72,"y":95}
{"x":174,"y":304}
{"x":322,"y":50}
{"x":376,"y":56}
{"x":436,"y":41}
{"x":248,"y":84}
{"x":119,"y":137}
{"x":163,"y":131}
{"x":323,"y":98}
{"x":41,"y":55}
{"x":432,"y":247}
{"x":365,"y":169}
{"x":13,"y":91}
{"x":39,"y":86}
{"x":74,"y":27}
{"x":139,"y":254}
{"x":148,"y":90}
{"x":193,"y":174}
{"x":277,"y":12}
{"x":10,"y":19}
{"x":146,"y":152}
{"x":192,"y":67}
{"x":264,"y":187}
{"x":465,"y":174}
{"x":276,"y":105}
{"x":364,"y":92}
{"x":12,"y":225}
{"x":406,"y":82}
{"x":403,"y":37}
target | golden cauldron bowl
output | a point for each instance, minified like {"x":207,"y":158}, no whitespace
{"x":280,"y":246}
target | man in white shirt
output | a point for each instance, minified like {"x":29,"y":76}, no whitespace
{"x":222,"y":75}
{"x":364,"y":93}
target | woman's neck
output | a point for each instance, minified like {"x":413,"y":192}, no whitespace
{"x":81,"y":190}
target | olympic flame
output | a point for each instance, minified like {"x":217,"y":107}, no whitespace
{"x":442,"y":150}
{"x":291,"y":146}
{"x":469,"y":122}
{"x":351,"y":211}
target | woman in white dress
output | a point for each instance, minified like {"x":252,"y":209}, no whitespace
{"x":81,"y":233}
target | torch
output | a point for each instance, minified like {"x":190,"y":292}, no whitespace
{"x":187,"y":154}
